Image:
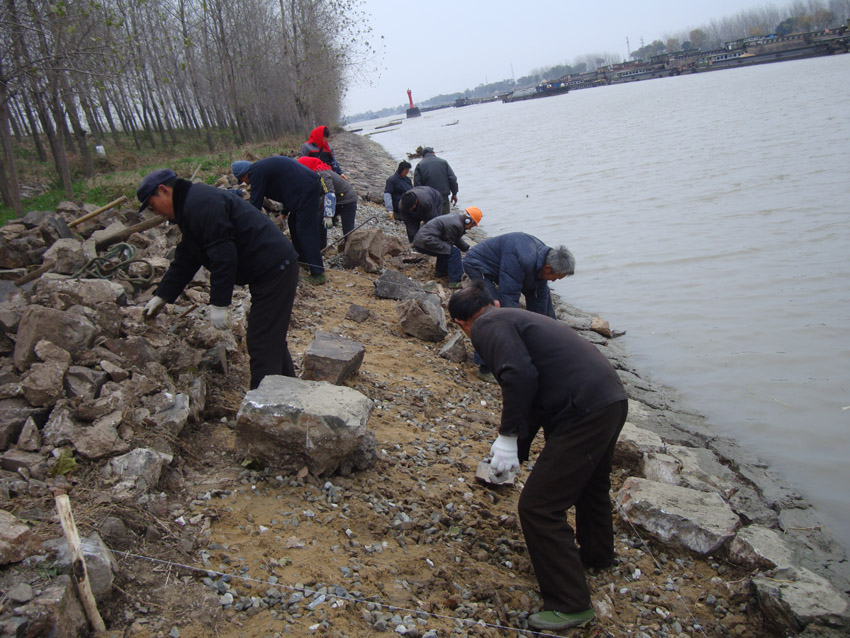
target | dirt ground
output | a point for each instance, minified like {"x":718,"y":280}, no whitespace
{"x":412,"y":545}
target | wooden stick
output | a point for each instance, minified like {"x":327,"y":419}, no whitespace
{"x":100,"y":210}
{"x":121,"y":235}
{"x":187,"y":311}
{"x":79,"y":573}
{"x":35,"y":274}
{"x":195,"y":173}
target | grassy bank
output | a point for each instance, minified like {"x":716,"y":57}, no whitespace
{"x":119,"y":172}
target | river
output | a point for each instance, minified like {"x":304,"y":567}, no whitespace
{"x":710,"y":218}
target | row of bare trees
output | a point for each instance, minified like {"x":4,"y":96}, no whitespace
{"x":811,"y":15}
{"x":147,"y":72}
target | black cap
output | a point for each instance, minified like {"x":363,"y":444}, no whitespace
{"x":150,"y":183}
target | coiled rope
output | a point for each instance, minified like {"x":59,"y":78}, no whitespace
{"x":115,"y":264}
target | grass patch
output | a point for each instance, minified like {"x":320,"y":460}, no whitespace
{"x":120,"y":172}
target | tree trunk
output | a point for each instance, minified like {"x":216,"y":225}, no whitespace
{"x":80,"y":134}
{"x":11,"y":192}
{"x":107,"y":113}
{"x":36,"y":138}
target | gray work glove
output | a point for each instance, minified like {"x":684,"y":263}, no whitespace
{"x":218,"y":317}
{"x":504,"y":454}
{"x":154,"y":307}
{"x":328,"y":222}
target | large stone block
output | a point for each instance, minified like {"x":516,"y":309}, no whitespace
{"x":365,"y":249}
{"x":290,"y":423}
{"x":332,"y":358}
{"x":56,"y":612}
{"x":60,"y":292}
{"x":792,"y":598}
{"x":16,"y":539}
{"x":393,"y":285}
{"x":72,"y":331}
{"x":701,"y":522}
{"x":422,"y":318}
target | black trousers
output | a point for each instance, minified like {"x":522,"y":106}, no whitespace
{"x":573,"y":469}
{"x":268,"y":323}
{"x":308,"y":234}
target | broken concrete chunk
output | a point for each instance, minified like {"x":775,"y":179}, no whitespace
{"x":290,"y":423}
{"x":698,"y":521}
{"x":332,"y":358}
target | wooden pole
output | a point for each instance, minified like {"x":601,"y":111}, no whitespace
{"x":121,"y":235}
{"x":79,"y":573}
{"x":195,"y":173}
{"x":100,"y":210}
{"x":35,"y":274}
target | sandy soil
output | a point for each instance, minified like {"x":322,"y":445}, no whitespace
{"x":412,"y":545}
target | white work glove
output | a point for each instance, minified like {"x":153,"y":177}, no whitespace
{"x":328,"y":222}
{"x":218,"y":317}
{"x":154,"y":307}
{"x":504,"y":454}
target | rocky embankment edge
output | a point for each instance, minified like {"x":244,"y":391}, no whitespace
{"x":692,"y":488}
{"x":135,"y":421}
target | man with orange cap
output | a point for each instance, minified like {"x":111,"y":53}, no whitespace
{"x":442,"y":237}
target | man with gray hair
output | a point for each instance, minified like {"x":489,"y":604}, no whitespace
{"x":518,"y":263}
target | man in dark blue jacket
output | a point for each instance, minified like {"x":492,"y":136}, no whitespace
{"x":397,"y":185}
{"x":518,"y":263}
{"x":300,"y":191}
{"x":238,"y":245}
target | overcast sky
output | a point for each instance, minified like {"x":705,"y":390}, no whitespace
{"x":442,"y":46}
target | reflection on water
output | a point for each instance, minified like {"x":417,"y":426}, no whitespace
{"x":709,"y":218}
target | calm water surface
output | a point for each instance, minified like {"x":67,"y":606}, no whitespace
{"x":710,"y":219}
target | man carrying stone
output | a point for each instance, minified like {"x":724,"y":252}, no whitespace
{"x":552,"y":378}
{"x":238,"y":245}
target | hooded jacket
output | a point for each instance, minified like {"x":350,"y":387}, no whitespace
{"x":441,"y":233}
{"x":316,"y":146}
{"x":228,"y":236}
{"x":512,"y":261}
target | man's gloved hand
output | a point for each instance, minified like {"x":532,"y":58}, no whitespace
{"x":328,"y":222}
{"x":218,"y":317}
{"x":154,"y":307}
{"x":504,"y":454}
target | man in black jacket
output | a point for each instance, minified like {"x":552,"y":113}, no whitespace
{"x":238,"y":245}
{"x":552,"y":378}
{"x":418,"y":206}
{"x":435,"y":172}
{"x":301,"y":193}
